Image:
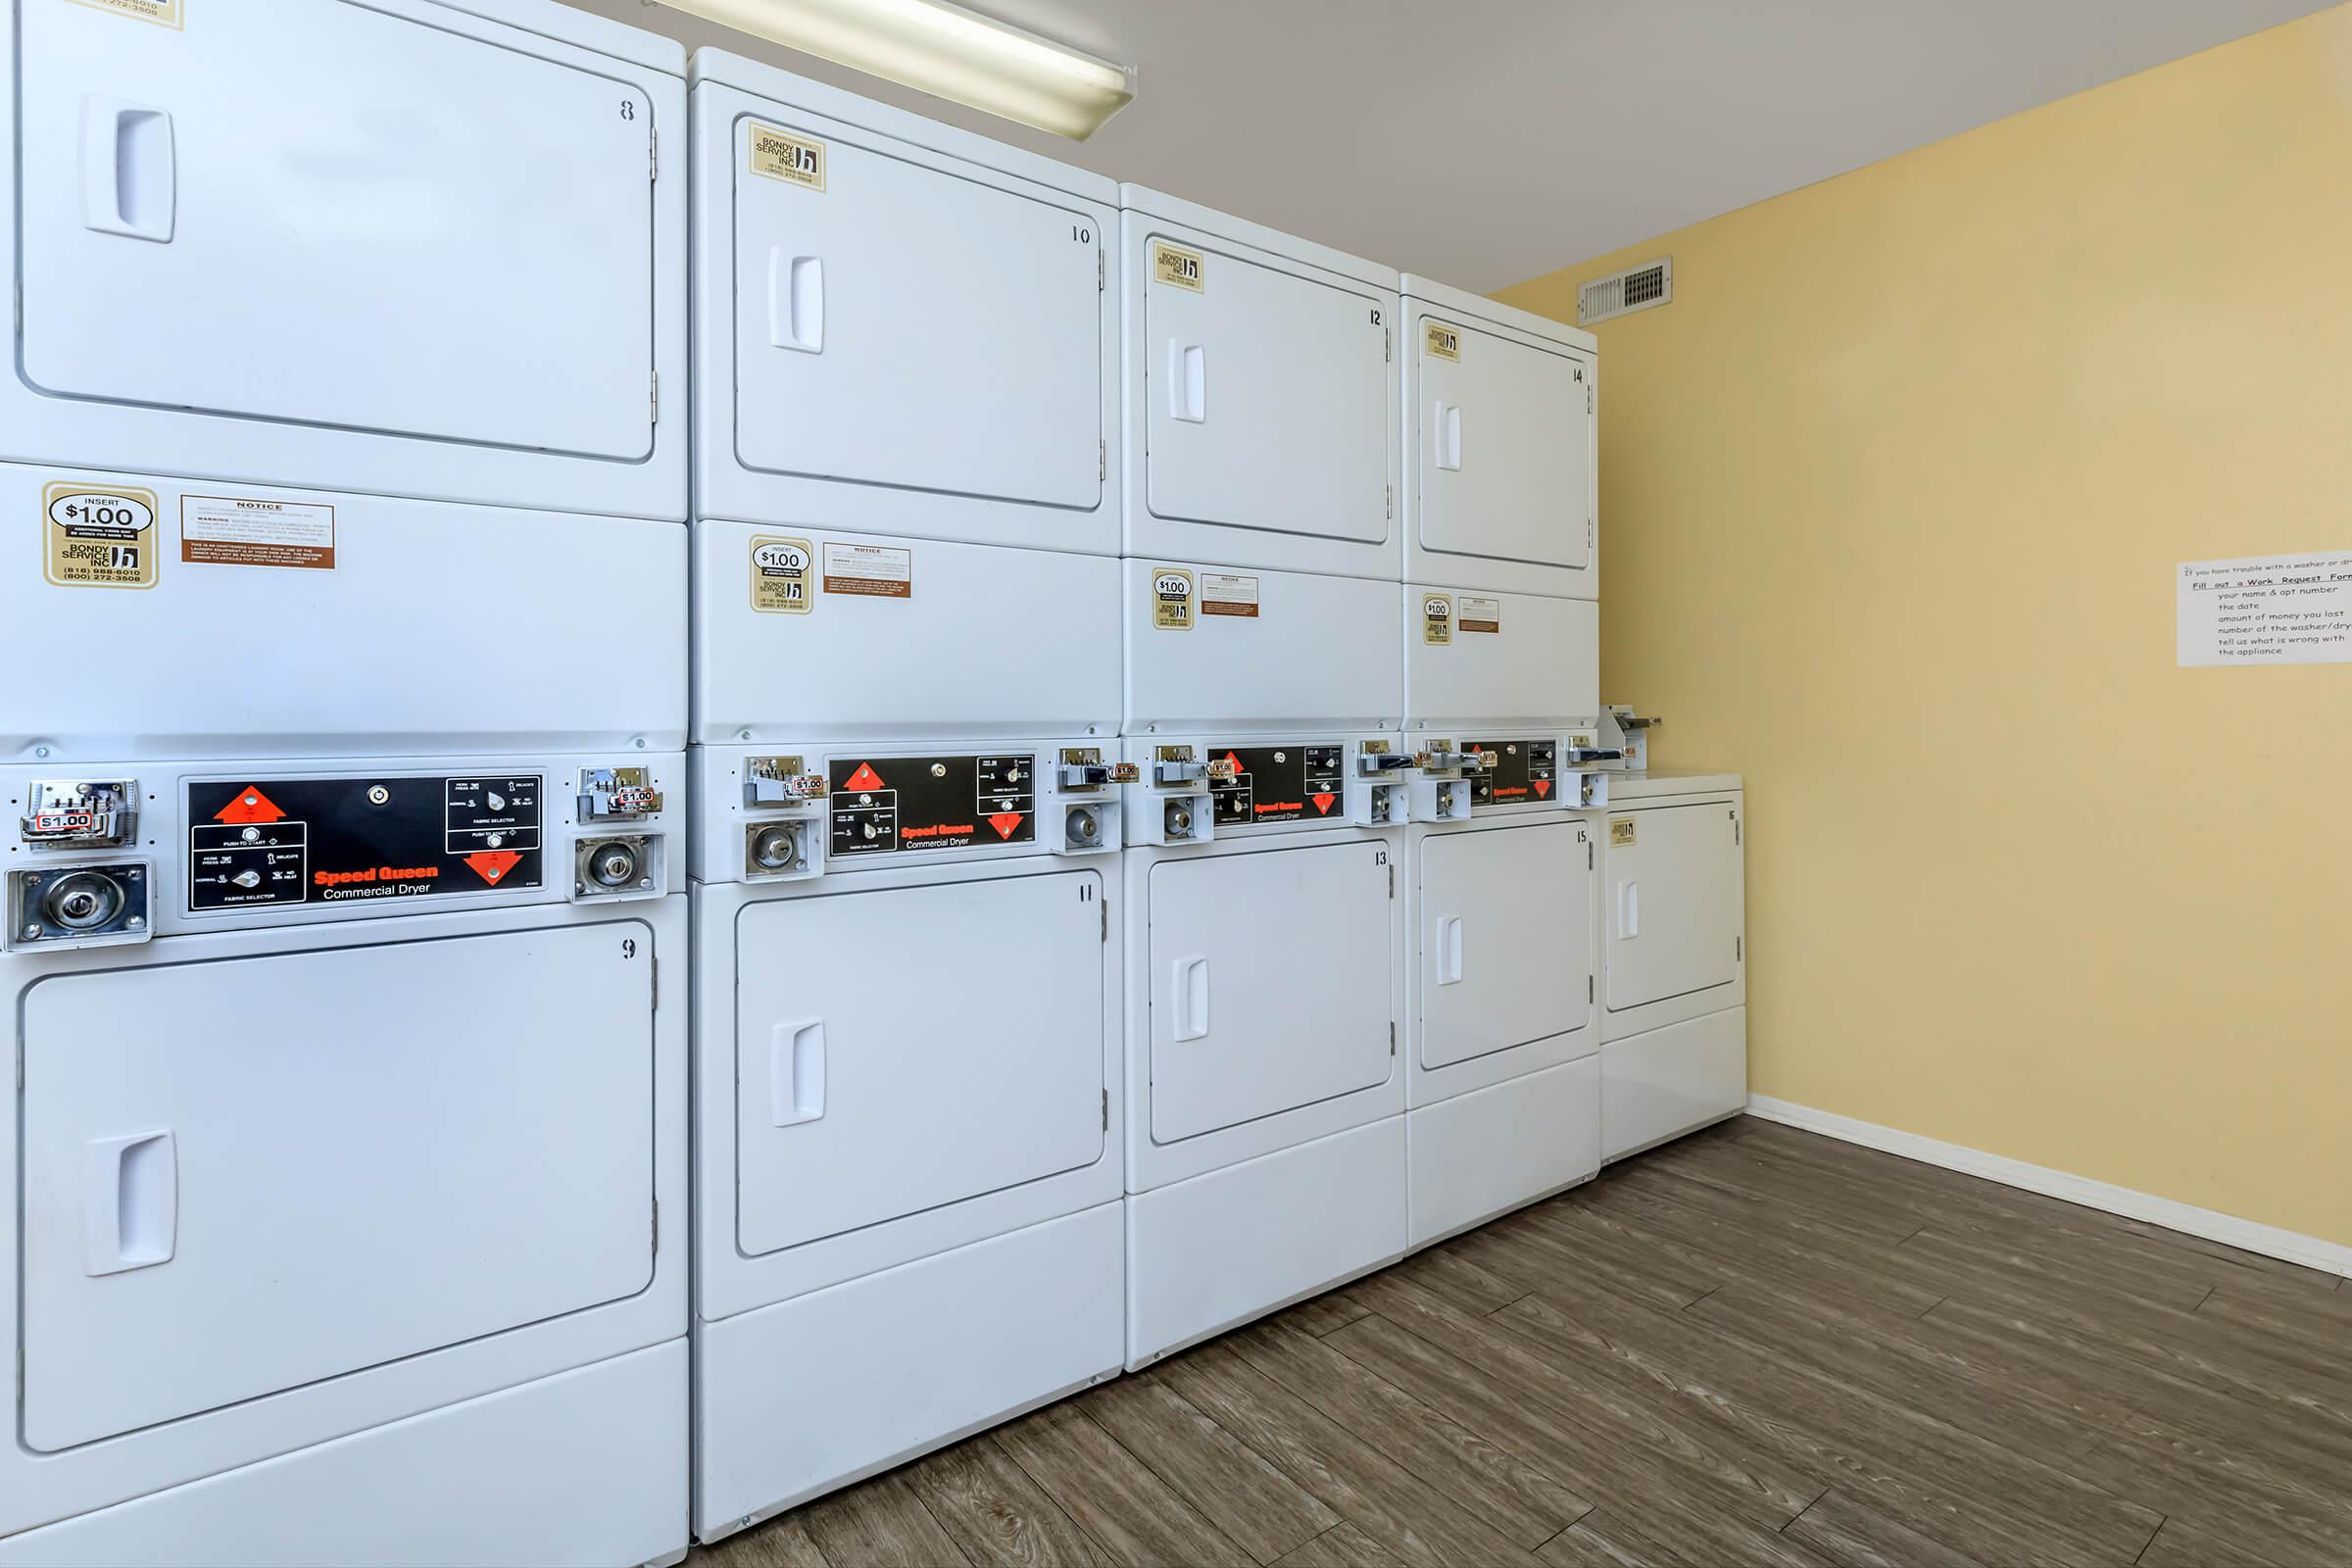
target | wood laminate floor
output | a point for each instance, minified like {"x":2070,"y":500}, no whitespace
{"x":1753,"y":1346}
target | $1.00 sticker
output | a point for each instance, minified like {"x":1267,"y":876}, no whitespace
{"x":98,"y":536}
{"x":780,"y":576}
{"x":1437,"y":619}
{"x":1171,"y":599}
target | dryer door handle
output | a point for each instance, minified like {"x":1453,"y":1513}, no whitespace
{"x":1629,"y":910}
{"x":796,"y":300}
{"x":128,"y":174}
{"x":795,"y":1073}
{"x":1449,"y":435}
{"x":1187,"y":382}
{"x":1450,"y":949}
{"x":131,"y":1202}
{"x":1189,"y":990}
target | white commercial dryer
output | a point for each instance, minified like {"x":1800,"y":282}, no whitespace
{"x":1265,"y":1149}
{"x":1262,"y":396}
{"x":398,"y":247}
{"x":905,"y":647}
{"x":1674,"y":954}
{"x":1501,"y":993}
{"x":908,"y":1003}
{"x":348,"y":1147}
{"x":1502,"y":541}
{"x":1264,"y":942}
{"x":901,"y":328}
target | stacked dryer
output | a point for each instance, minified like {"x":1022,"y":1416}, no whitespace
{"x":1501,"y":698}
{"x":342,"y":786}
{"x":1265,"y":1142}
{"x":906,"y":714}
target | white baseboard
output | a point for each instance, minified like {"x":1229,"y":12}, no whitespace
{"x":2251,"y":1236}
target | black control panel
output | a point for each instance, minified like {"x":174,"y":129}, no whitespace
{"x":1288,"y":783}
{"x":1524,"y":771}
{"x":890,"y":805}
{"x":272,"y":842}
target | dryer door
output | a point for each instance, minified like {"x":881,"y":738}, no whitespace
{"x":1269,"y":399}
{"x":907,"y":321}
{"x":1506,"y":466}
{"x":1673,"y":897}
{"x":246,"y":1175}
{"x":242,"y":216}
{"x":906,"y":1048}
{"x":1270,"y":983}
{"x":1506,"y":950}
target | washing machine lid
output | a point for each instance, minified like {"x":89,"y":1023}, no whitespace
{"x":247,"y":1175}
{"x":234,"y":216}
{"x":906,"y":1048}
{"x":1270,"y":983}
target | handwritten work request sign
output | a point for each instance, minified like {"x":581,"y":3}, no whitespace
{"x":2270,"y":610}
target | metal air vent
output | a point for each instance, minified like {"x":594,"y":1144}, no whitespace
{"x":1636,"y":288}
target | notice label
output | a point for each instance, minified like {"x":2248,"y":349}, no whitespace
{"x":98,"y":536}
{"x":781,"y":155}
{"x":1224,"y":594}
{"x":1175,"y":265}
{"x":1442,"y":342}
{"x":1437,"y":619}
{"x":873,"y":571}
{"x":226,"y":532}
{"x":163,"y":13}
{"x":1621,"y":832}
{"x":1171,"y":599}
{"x":780,"y":576}
{"x":1479,"y":614}
{"x":2267,"y":610}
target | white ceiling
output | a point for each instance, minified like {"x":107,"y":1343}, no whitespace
{"x":1485,"y":141}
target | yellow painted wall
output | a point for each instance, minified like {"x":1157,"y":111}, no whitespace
{"x":1892,"y":497}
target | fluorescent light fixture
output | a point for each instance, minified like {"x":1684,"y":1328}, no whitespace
{"x":943,"y":50}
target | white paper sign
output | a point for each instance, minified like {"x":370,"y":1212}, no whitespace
{"x":2267,"y":610}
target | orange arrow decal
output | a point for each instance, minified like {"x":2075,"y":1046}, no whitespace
{"x":250,"y":806}
{"x":1323,"y":804}
{"x":1005,"y":822}
{"x":865,"y":780}
{"x":1543,"y":787}
{"x":491,"y":864}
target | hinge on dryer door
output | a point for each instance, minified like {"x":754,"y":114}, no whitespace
{"x":1106,"y":1111}
{"x":1102,"y":272}
{"x":1392,"y":501}
{"x":653,"y":154}
{"x":1591,"y":404}
{"x":1735,"y":827}
{"x":1388,"y":346}
{"x":1392,"y":1037}
{"x":1588,"y":857}
{"x":1103,"y":459}
{"x":1105,"y":910}
{"x":654,"y":398}
{"x":1738,"y":949}
{"x":1587,"y":990}
{"x":657,"y":985}
{"x":1392,"y":881}
{"x":656,"y":1226}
